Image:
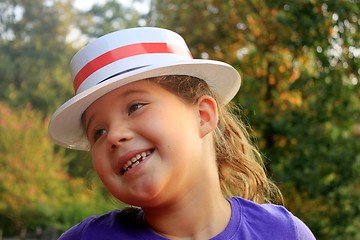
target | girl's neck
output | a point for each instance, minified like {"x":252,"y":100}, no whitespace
{"x":194,"y":217}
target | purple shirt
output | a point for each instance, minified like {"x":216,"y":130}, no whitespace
{"x":248,"y":220}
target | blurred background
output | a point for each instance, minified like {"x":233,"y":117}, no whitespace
{"x":300,"y":64}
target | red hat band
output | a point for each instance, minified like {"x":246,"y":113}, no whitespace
{"x":119,"y":57}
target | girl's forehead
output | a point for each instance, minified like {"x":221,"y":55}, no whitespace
{"x":140,"y":87}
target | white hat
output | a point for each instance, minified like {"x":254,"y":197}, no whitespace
{"x":125,"y":56}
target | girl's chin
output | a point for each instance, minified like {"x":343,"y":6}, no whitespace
{"x":140,"y":194}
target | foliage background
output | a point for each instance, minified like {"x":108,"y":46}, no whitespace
{"x":299,"y":61}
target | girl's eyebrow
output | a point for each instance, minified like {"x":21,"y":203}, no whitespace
{"x":132,"y":91}
{"x":120,"y":96}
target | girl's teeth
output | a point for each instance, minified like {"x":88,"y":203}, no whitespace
{"x":135,"y":161}
{"x":135,"y":164}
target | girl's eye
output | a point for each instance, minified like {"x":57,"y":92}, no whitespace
{"x":98,"y":133}
{"x":134,"y":107}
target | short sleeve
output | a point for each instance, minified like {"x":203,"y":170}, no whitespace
{"x":302,"y":231}
{"x":75,"y":233}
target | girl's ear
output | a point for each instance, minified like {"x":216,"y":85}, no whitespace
{"x":208,"y":115}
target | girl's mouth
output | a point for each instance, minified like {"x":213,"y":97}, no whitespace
{"x":134,"y":161}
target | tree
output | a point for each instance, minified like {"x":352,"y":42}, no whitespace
{"x":35,"y":188}
{"x":300,"y":67}
{"x":107,"y":17}
{"x":32,"y":175}
{"x":34,"y":52}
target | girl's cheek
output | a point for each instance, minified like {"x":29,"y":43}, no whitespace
{"x":96,"y":162}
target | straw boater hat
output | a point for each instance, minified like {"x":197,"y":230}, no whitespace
{"x":125,"y":56}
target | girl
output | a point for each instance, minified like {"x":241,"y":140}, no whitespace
{"x":163,"y":138}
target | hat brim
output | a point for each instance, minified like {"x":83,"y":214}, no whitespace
{"x":65,"y":127}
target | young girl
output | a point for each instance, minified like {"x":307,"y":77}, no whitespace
{"x":163,"y":138}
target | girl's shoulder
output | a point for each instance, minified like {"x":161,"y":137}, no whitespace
{"x":267,"y":221}
{"x":118,"y":224}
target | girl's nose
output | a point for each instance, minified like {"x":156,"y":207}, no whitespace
{"x":117,"y":136}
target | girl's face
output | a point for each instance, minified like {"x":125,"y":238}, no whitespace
{"x":149,"y":146}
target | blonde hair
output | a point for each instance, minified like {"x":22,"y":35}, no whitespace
{"x":240,"y":165}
